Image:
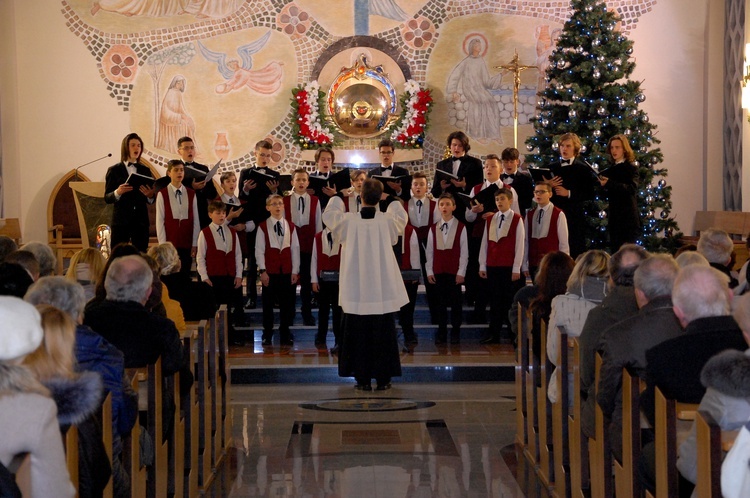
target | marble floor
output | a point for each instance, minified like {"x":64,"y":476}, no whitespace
{"x":415,"y":440}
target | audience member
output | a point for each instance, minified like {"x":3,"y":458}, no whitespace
{"x":686,"y":258}
{"x":14,"y":280}
{"x":716,"y":246}
{"x":78,"y":396}
{"x":94,"y":354}
{"x":27,"y":260}
{"x":726,"y":377}
{"x":87,"y":268}
{"x":168,"y":261}
{"x":44,"y":255}
{"x":7,"y":246}
{"x":585,"y":289}
{"x":619,"y":304}
{"x":624,"y":344}
{"x":28,"y":416}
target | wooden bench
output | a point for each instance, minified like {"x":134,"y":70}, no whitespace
{"x":10,"y":227}
{"x":561,"y":418}
{"x":600,"y":456}
{"x":625,"y":469}
{"x":544,"y":409}
{"x":711,"y":443}
{"x":532,"y":379}
{"x":521,"y":371}
{"x":735,"y":223}
{"x":578,"y":450}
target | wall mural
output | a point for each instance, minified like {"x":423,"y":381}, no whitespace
{"x":222,"y":71}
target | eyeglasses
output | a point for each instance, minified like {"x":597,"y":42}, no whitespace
{"x":542,"y":192}
{"x":386,"y":152}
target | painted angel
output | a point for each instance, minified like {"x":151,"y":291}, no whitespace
{"x":266,"y":80}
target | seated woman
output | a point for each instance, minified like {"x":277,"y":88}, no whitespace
{"x":168,"y":261}
{"x":87,"y":268}
{"x":78,"y":397}
{"x":28,"y":416}
{"x":586,"y":288}
{"x":93,"y":353}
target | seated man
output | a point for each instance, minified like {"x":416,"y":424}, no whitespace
{"x":727,"y":397}
{"x":625,"y":343}
{"x":717,"y":247}
{"x":123,"y":320}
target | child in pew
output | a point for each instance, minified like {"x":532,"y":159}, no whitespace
{"x":277,"y":256}
{"x":219,"y":261}
{"x":326,"y":257}
{"x":177,"y":219}
{"x":500,"y":259}
{"x":303,"y":210}
{"x":447,"y":255}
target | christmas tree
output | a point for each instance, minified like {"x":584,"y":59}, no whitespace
{"x":589,"y":93}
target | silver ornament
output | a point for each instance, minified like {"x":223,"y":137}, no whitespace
{"x":595,"y":42}
{"x":597,"y":133}
{"x":627,"y":132}
{"x":636,"y":163}
{"x":529,"y":147}
{"x":555,"y":146}
{"x":560,"y":64}
{"x":617,"y":62}
{"x":621,"y":103}
{"x":579,"y":50}
{"x":664,"y":215}
{"x":649,"y":199}
{"x":650,"y":214}
{"x":600,"y":58}
{"x":640,"y":98}
{"x":602,"y":214}
{"x":662,"y":183}
{"x":634,"y":112}
{"x":583,"y":149}
{"x":654,"y":160}
{"x":559,"y":87}
{"x":544,"y":122}
{"x":601,"y":111}
{"x":596,"y":74}
{"x":644,"y":118}
{"x":572,"y":113}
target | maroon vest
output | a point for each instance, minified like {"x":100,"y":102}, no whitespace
{"x":179,"y":232}
{"x":306,"y":233}
{"x":325,"y":262}
{"x":502,"y":252}
{"x":446,"y":260}
{"x":539,"y":247}
{"x":218,"y":262}
{"x":277,"y":261}
{"x":424,"y":230}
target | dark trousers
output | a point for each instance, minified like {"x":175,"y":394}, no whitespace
{"x":134,"y":233}
{"x":251,"y":290}
{"x":501,"y":289}
{"x":406,"y":313}
{"x":225,"y":293}
{"x":432,"y":298}
{"x":305,"y":286}
{"x":449,"y":293}
{"x":328,"y":300}
{"x":476,"y":288}
{"x":279,"y":288}
{"x":186,"y":261}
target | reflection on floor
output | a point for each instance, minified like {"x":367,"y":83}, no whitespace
{"x":415,"y":440}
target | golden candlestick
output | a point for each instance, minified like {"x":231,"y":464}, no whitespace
{"x":516,"y":69}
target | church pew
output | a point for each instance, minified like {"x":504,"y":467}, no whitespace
{"x":560,"y":418}
{"x":70,"y":442}
{"x":158,"y":473}
{"x":711,"y":445}
{"x":190,"y":408}
{"x":578,"y":450}
{"x":532,"y":379}
{"x":132,"y":449}
{"x":107,"y":438}
{"x":176,"y":443}
{"x":204,"y":391}
{"x":521,"y":370}
{"x":214,"y":376}
{"x":668,"y":413}
{"x":544,"y":414}
{"x":225,"y":377}
{"x":625,"y":470}
{"x":600,"y":456}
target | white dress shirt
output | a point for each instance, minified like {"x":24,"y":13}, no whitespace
{"x":179,"y":208}
{"x":225,"y":243}
{"x":501,"y":230}
{"x":448,"y":239}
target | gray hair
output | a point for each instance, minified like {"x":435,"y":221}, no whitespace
{"x":44,"y":255}
{"x":691,"y":258}
{"x":701,"y":292}
{"x":60,"y":292}
{"x":715,"y":245}
{"x":655,"y":276}
{"x":624,"y":262}
{"x":128,"y":279}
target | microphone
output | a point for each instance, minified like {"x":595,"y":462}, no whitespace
{"x":78,"y":178}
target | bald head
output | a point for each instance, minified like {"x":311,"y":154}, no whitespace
{"x":700,"y":292}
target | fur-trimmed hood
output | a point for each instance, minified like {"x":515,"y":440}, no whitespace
{"x":729,"y":373}
{"x":19,"y":379}
{"x":76,"y":398}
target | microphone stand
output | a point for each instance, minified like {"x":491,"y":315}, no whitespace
{"x":78,"y":178}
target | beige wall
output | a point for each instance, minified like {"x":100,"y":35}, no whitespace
{"x":56,"y":112}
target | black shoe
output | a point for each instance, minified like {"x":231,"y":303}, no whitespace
{"x":383,"y":387}
{"x":251,"y":304}
{"x":363,"y":387}
{"x":440,"y":340}
{"x":411,"y":340}
{"x":266,"y":341}
{"x":287,"y":342}
{"x":335,"y":349}
{"x":314,"y":302}
{"x":320,"y":345}
{"x":455,"y":338}
{"x":308,"y":320}
{"x":490,"y":339}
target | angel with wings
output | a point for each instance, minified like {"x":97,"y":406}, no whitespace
{"x":266,"y":80}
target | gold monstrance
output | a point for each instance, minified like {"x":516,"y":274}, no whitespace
{"x":516,"y":69}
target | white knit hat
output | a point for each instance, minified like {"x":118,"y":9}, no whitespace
{"x":20,"y":328}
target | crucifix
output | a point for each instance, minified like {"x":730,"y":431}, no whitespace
{"x":516,"y":68}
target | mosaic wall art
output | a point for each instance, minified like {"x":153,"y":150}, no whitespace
{"x":222,"y":71}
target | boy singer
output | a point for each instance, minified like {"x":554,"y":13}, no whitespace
{"x":547,"y":229}
{"x":326,"y":256}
